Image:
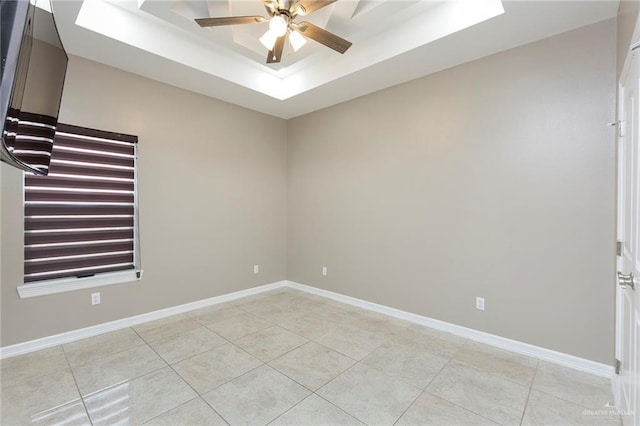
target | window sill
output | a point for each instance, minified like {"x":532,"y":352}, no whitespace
{"x":63,"y":285}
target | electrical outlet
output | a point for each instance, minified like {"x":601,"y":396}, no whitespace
{"x":95,"y":298}
{"x":256,"y":269}
{"x":324,"y":271}
{"x":480,"y":303}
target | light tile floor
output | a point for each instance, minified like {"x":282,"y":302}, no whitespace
{"x":290,"y":358}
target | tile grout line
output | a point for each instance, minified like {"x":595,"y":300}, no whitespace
{"x":526,"y":403}
{"x":149,"y":341}
{"x":198,"y":395}
{"x":228,"y":342}
{"x":331,"y":381}
{"x":409,"y":406}
{"x":177,"y":406}
{"x":275,"y":324}
{"x":424,"y":390}
{"x":142,"y":342}
{"x":341,"y":353}
{"x":75,"y":381}
{"x":339,"y":408}
{"x":262,"y":363}
{"x":482,"y":370}
{"x":266,"y":363}
{"x":229,"y":381}
{"x":384,"y":341}
{"x":118,"y":383}
{"x":479,"y":370}
{"x":452,"y":358}
{"x":564,"y":400}
{"x":387,"y":337}
{"x":201,"y":324}
{"x":292,"y":407}
{"x":296,"y":381}
{"x":312,"y":392}
{"x":241,"y":337}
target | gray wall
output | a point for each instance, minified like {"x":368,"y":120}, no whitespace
{"x":493,"y":179}
{"x":212,"y":185}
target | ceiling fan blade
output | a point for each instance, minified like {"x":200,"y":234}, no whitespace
{"x":305,"y":7}
{"x":232,"y":20}
{"x":276,"y":54}
{"x":330,"y":40}
{"x":271,"y":6}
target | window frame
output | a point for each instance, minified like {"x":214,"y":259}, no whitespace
{"x":66,"y":284}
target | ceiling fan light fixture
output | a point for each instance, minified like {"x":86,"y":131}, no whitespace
{"x":278,"y":26}
{"x":268,"y":40}
{"x":282,"y":25}
{"x":296,"y":40}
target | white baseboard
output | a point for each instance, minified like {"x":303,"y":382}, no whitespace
{"x":72,"y":336}
{"x":538,"y":352}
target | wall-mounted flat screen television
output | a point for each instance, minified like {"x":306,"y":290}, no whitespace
{"x":34,"y":65}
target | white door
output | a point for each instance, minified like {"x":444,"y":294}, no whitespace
{"x":627,"y":384}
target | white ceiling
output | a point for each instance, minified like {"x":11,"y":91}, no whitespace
{"x":393,"y":41}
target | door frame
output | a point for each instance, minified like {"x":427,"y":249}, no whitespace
{"x":615,"y":380}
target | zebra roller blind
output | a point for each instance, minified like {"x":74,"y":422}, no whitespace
{"x":80,"y":220}
{"x":30,"y":139}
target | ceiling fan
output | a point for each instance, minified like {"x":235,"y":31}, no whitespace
{"x":281,"y":23}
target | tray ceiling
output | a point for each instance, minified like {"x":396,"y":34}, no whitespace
{"x":393,"y":41}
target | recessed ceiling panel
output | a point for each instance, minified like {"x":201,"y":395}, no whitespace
{"x":393,"y":41}
{"x":379,"y":30}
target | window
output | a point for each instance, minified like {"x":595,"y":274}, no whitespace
{"x":81,"y":219}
